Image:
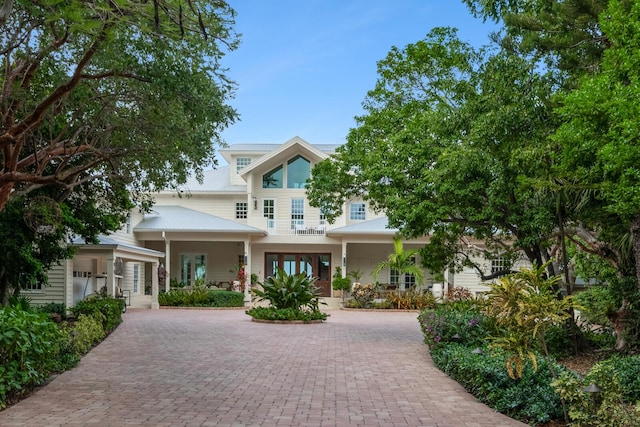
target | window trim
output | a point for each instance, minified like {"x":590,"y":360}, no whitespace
{"x":357,"y":209}
{"x":242,"y":210}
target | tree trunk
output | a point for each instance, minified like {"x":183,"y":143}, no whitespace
{"x":635,"y":233}
{"x":5,"y":192}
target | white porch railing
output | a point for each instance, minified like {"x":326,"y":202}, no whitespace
{"x":298,"y":227}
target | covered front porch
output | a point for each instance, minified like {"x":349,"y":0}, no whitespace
{"x":116,"y":269}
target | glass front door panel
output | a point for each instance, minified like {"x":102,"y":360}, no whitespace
{"x":314,"y":265}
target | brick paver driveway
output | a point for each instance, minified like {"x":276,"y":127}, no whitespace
{"x":217,"y":368}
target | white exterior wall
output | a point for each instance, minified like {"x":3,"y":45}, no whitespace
{"x":55,"y":292}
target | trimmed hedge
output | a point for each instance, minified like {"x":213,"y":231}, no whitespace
{"x":105,"y":308}
{"x":272,"y":313}
{"x":530,"y":399}
{"x":31,"y":348}
{"x":201,"y":298}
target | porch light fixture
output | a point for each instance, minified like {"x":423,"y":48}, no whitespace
{"x":344,"y":261}
{"x":593,"y":390}
{"x":255,"y":204}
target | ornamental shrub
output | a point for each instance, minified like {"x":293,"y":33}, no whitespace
{"x":106,"y":308}
{"x":296,"y":291}
{"x":272,"y":313}
{"x":363,"y":294}
{"x":222,"y":298}
{"x":411,"y":299}
{"x":441,"y":324}
{"x":201,"y":298}
{"x":29,"y":345}
{"x":607,"y":408}
{"x":87,"y":331}
{"x":627,"y":368}
{"x":54,"y":307}
{"x":530,"y":399}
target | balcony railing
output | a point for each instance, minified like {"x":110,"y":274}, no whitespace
{"x":298,"y":227}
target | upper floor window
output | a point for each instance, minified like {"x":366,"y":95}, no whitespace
{"x":242,"y":162}
{"x":498,"y":264}
{"x":273,"y":179}
{"x":297,"y":212}
{"x":298,"y":171}
{"x":241,"y":210}
{"x":128,"y":225}
{"x":357,"y":211}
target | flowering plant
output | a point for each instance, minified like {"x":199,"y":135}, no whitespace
{"x":241,"y":277}
{"x":363,"y":294}
{"x":442,"y":324}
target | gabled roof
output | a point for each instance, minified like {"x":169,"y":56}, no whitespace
{"x":177,"y":218}
{"x":261,"y":149}
{"x":108,"y":242}
{"x":295,"y":145}
{"x":374,"y":226}
{"x":213,"y":181}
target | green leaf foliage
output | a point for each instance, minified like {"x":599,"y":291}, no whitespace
{"x":87,"y":331}
{"x":530,"y":398}
{"x":449,"y":136}
{"x":290,"y":291}
{"x":285,"y":314}
{"x":130,"y":92}
{"x":107,"y":309}
{"x":29,"y":345}
{"x":201,"y":298}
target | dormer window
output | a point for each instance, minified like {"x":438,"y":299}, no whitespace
{"x":273,"y":179}
{"x":298,"y":171}
{"x":242,"y":162}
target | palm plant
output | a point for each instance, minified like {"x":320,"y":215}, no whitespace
{"x":290,"y":291}
{"x":402,"y":261}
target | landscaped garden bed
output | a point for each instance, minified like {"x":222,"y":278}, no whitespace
{"x":38,"y":342}
{"x":292,"y":298}
{"x":514,"y":350}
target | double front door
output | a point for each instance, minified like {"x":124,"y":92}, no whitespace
{"x":314,"y":265}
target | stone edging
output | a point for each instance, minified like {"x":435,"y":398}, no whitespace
{"x":287,"y":322}
{"x":389,"y":310}
{"x":171,"y":307}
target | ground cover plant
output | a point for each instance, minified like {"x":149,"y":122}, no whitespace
{"x":513,"y":350}
{"x":35,"y":342}
{"x":201,"y":297}
{"x":290,"y":297}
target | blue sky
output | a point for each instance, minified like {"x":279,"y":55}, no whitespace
{"x":305,"y":66}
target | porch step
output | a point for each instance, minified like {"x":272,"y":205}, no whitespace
{"x":140,"y":301}
{"x":332,"y":303}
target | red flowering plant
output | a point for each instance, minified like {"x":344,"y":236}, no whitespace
{"x":241,"y":277}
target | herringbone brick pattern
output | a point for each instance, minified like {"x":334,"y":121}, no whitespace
{"x":217,"y":368}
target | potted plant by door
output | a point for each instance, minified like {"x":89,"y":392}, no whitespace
{"x":342,"y":284}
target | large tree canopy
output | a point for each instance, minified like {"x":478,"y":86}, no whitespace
{"x":601,"y":118}
{"x":448,"y":136}
{"x":112,"y":90}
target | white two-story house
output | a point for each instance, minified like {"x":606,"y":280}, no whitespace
{"x":251,"y":212}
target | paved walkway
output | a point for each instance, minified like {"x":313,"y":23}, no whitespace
{"x":217,"y":368}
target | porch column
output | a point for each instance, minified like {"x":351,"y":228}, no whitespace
{"x":448,"y":281}
{"x":247,"y":272}
{"x":167,"y":263}
{"x":154,"y":286}
{"x":111,"y":278}
{"x":343,"y":261}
